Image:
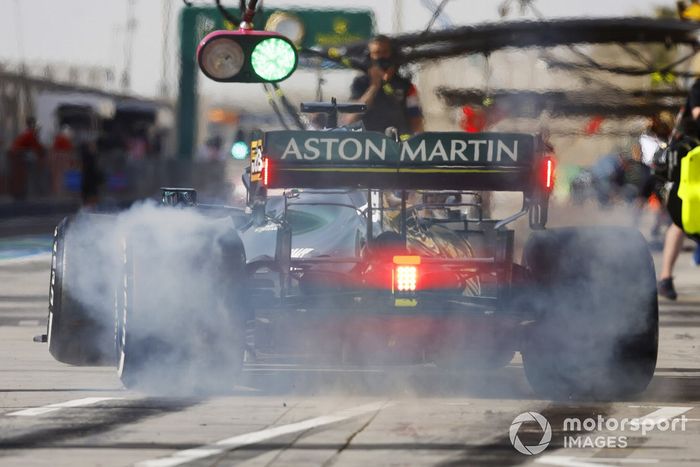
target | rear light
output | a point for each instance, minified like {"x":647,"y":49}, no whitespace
{"x":406,"y":278}
{"x":266,"y":171}
{"x":547,"y":174}
{"x":406,"y":273}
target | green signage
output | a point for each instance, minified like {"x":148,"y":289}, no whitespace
{"x":326,"y":28}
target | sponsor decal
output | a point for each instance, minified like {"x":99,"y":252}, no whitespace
{"x":256,"y":160}
{"x":430,"y":149}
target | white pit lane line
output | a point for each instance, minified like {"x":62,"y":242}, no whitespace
{"x":568,"y":461}
{"x":247,"y":439}
{"x":28,"y":322}
{"x":663,"y":414}
{"x":61,"y":405}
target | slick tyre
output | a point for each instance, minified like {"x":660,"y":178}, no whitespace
{"x":597,"y":332}
{"x":167,"y":342}
{"x":81,"y":323}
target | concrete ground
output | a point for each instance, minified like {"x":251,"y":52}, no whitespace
{"x":53,"y":414}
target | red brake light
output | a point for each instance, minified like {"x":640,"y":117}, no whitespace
{"x":266,"y":171}
{"x":548,"y":173}
{"x":406,"y":273}
{"x":406,"y":278}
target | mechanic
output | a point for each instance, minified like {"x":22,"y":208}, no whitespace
{"x":655,"y":136}
{"x":392,"y":101}
{"x":673,"y":242}
{"x":27,"y":158}
{"x":92,"y":177}
{"x":62,"y":158}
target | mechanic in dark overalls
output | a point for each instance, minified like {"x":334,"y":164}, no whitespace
{"x":392,"y":101}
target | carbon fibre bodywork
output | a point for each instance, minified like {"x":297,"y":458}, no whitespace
{"x":336,"y":300}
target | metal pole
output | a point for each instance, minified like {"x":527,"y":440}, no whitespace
{"x":187,"y":91}
{"x":165,"y":50}
{"x":398,"y":17}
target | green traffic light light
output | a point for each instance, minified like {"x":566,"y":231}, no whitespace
{"x":273,"y":59}
{"x":239,"y":150}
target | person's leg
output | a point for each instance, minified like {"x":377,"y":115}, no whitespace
{"x":672,"y":247}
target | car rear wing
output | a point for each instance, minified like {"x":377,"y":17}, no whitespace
{"x":446,"y":161}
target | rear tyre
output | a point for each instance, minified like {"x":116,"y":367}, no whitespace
{"x":485,"y":359}
{"x":597,"y":335}
{"x":80,"y":326}
{"x":179,"y":325}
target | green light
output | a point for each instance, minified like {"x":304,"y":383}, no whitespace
{"x":273,"y":59}
{"x":239,"y":150}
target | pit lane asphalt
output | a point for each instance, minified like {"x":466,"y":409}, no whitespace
{"x":414,"y":416}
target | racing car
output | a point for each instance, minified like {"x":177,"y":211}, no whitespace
{"x":359,"y":249}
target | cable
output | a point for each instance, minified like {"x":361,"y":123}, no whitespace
{"x":636,"y":54}
{"x":622,"y":70}
{"x":335,"y":55}
{"x":444,"y":21}
{"x":271,"y":99}
{"x":225,"y":13}
{"x":291,"y":110}
{"x":435,"y":16}
{"x":249,"y":13}
{"x":531,"y":4}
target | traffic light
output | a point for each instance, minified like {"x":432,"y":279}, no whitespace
{"x":247,"y":56}
{"x":239,"y":148}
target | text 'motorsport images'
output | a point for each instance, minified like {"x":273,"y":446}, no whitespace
{"x":414,"y":234}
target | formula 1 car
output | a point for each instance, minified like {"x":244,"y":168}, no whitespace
{"x":359,"y":249}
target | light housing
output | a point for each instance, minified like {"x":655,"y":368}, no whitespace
{"x":222,"y":59}
{"x":247,"y":56}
